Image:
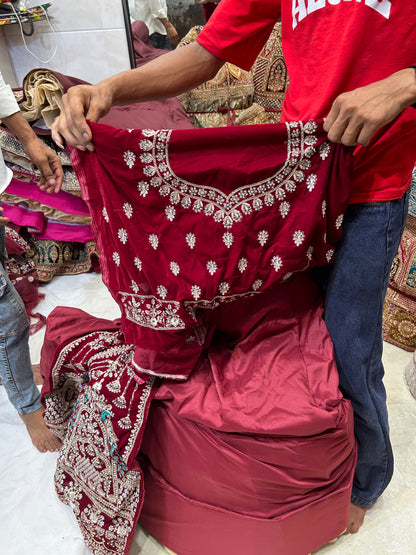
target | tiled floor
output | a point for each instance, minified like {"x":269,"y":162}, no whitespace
{"x":34,"y":522}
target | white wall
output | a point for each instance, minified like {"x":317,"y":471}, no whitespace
{"x":90,"y":38}
{"x":6,"y":65}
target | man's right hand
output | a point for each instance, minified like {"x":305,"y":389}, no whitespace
{"x":80,"y":103}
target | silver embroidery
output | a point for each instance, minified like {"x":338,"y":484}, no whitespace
{"x":277,"y":262}
{"x":262,"y":237}
{"x":191,"y":240}
{"x":257,"y":284}
{"x":116,"y":258}
{"x":339,"y":220}
{"x":170,"y":213}
{"x":128,"y":210}
{"x":174,"y":267}
{"x":323,"y":208}
{"x":330,"y":254}
{"x":150,"y":312}
{"x":154,"y":240}
{"x":230,"y":208}
{"x":212,"y":267}
{"x":298,"y":237}
{"x":242,"y":264}
{"x":129,"y":158}
{"x":196,"y":292}
{"x":284,"y":209}
{"x":311,"y":182}
{"x":105,"y":214}
{"x":324,"y":150}
{"x":162,"y":291}
{"x":228,"y":239}
{"x":138,"y":263}
{"x":223,"y":287}
{"x":122,"y":235}
{"x":143,"y":188}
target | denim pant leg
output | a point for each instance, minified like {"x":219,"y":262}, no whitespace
{"x":354,"y":300}
{"x":15,"y":365}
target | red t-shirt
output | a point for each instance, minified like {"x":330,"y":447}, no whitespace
{"x":332,"y":46}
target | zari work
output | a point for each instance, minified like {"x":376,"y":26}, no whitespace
{"x":196,"y":221}
{"x":399,"y":318}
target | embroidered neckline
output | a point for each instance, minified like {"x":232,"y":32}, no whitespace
{"x":242,"y":201}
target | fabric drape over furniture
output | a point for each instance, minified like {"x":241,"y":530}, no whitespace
{"x":199,"y":233}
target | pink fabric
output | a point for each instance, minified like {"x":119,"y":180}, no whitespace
{"x":188,"y":220}
{"x":42,"y":228}
{"x":65,"y":202}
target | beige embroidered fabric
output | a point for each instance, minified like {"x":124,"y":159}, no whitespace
{"x":231,"y":89}
{"x":43,"y":96}
{"x":11,"y":145}
{"x":270,"y":75}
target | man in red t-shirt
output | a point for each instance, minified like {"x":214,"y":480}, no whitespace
{"x":349,"y":61}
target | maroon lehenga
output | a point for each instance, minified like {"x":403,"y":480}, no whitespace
{"x":206,"y":237}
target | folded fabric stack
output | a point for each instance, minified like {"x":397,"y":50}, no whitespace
{"x":399,"y":325}
{"x":59,"y":224}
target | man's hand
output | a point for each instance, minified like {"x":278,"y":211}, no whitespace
{"x":172,"y":34}
{"x":79,"y":104}
{"x":48,"y":163}
{"x":356,"y":115}
{"x":3,"y":219}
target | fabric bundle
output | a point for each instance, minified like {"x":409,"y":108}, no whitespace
{"x":199,"y":232}
{"x":59,"y":224}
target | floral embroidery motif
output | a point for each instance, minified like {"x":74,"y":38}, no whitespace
{"x":284,"y":209}
{"x":191,"y":240}
{"x":154,"y":240}
{"x":324,"y":150}
{"x":138,"y":263}
{"x":129,"y":158}
{"x":228,"y":239}
{"x":262,"y":237}
{"x":134,"y":286}
{"x":242,"y":264}
{"x":257,"y":284}
{"x":170,"y":213}
{"x":162,"y":291}
{"x":323,"y":208}
{"x":212,"y":267}
{"x":330,"y":254}
{"x":298,"y":237}
{"x":196,"y":292}
{"x":122,"y":235}
{"x":174,"y":267}
{"x":150,"y":312}
{"x":128,"y":210}
{"x":311,"y":182}
{"x":309,"y":253}
{"x":116,"y":258}
{"x":143,"y":188}
{"x":230,"y":208}
{"x":105,"y":214}
{"x":277,"y":262}
{"x":223,"y":288}
{"x":339,"y":220}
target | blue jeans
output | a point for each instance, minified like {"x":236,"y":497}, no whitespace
{"x":157,"y":40}
{"x":355,"y":288}
{"x":15,"y":366}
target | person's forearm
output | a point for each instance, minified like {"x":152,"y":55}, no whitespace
{"x":20,"y":128}
{"x":166,"y":76}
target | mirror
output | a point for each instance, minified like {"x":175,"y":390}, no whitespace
{"x":126,"y":16}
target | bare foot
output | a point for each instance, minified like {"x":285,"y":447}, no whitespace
{"x":42,"y":438}
{"x":355,"y":518}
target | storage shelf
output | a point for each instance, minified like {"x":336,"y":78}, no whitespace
{"x":37,"y":13}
